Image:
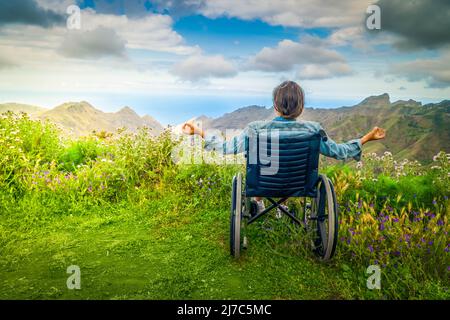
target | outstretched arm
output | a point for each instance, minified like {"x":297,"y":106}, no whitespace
{"x":349,"y":149}
{"x":234,"y":145}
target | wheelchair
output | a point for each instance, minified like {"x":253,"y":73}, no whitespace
{"x":295,"y":158}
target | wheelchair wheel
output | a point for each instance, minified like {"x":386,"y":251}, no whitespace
{"x":323,"y":221}
{"x":235,"y":216}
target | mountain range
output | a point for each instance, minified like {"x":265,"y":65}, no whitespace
{"x":414,"y":130}
{"x":81,"y":118}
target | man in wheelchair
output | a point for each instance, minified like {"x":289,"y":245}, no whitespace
{"x":282,"y":162}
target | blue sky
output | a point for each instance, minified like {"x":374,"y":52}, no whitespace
{"x":178,"y":59}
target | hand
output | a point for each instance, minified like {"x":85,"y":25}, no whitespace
{"x":190,"y":129}
{"x":375,"y":134}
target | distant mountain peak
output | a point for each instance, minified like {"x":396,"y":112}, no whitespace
{"x":127,"y":110}
{"x":380,"y":100}
{"x":407,"y":103}
{"x":76,"y":107}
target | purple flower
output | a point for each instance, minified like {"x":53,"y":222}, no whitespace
{"x":381,"y":226}
{"x":370,"y":248}
{"x":395,"y":219}
{"x":430,"y":243}
{"x":440,"y":222}
{"x":434,"y":202}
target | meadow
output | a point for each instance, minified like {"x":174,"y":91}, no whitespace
{"x":140,"y":226}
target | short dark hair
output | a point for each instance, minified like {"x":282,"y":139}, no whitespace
{"x":289,"y":99}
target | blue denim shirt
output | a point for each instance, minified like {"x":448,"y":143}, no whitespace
{"x":328,"y":147}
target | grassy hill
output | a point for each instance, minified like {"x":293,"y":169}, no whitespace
{"x":18,"y":107}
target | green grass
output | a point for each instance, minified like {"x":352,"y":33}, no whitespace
{"x":141,"y":227}
{"x":150,"y":252}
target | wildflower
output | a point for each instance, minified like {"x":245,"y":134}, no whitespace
{"x":396,"y":253}
{"x":395,"y":219}
{"x":434,"y":202}
{"x":370,"y":248}
{"x":440,"y":222}
{"x":382,"y":227}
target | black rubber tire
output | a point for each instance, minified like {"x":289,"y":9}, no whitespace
{"x":324,"y":224}
{"x":235,"y":216}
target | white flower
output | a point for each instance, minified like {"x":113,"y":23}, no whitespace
{"x":387,"y":154}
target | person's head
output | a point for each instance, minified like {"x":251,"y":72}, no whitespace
{"x":288,"y":99}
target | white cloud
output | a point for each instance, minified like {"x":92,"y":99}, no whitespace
{"x":153,"y":32}
{"x":288,"y":54}
{"x":435,"y":72}
{"x":6,"y":62}
{"x":198,"y":67}
{"x":291,"y":13}
{"x":316,"y":71}
{"x":96,"y":43}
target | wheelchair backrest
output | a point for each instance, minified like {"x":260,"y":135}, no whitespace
{"x":282,"y":163}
